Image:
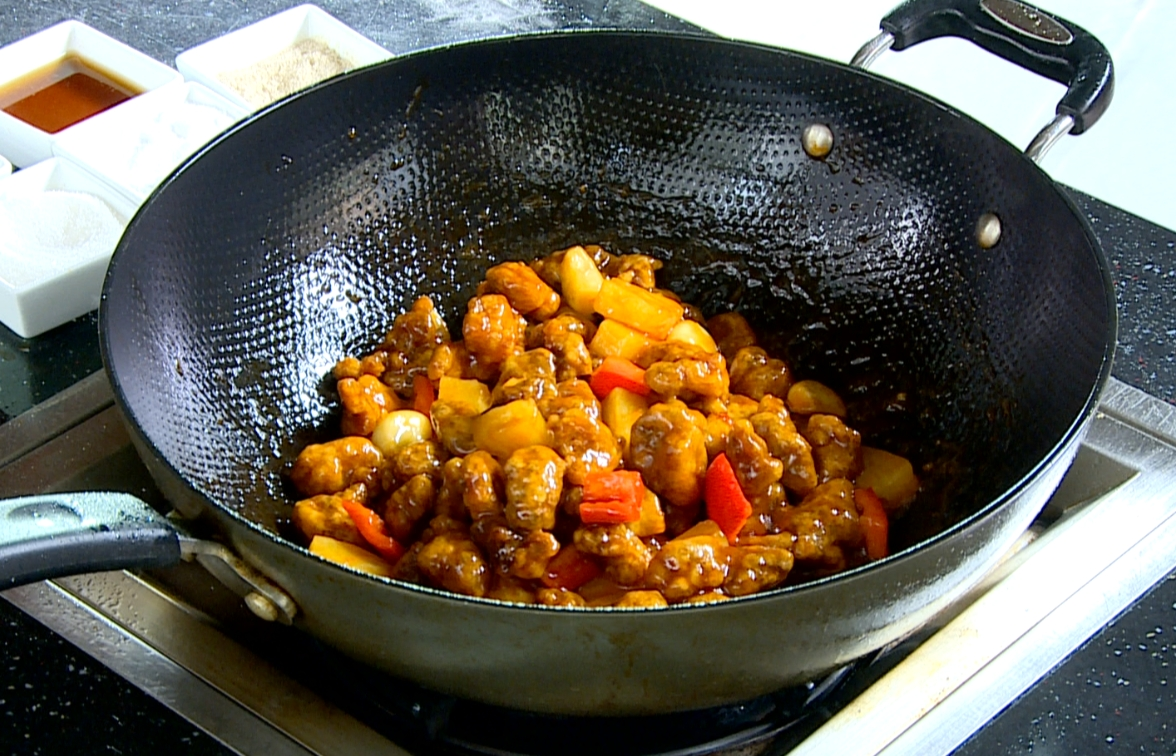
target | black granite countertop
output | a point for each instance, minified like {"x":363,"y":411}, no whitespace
{"x":1112,"y":693}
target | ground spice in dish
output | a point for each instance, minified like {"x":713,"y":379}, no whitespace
{"x":297,"y":67}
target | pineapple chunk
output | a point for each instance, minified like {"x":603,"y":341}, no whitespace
{"x":401,"y":428}
{"x":812,"y":398}
{"x":620,"y":409}
{"x":703,"y":529}
{"x":638,"y":308}
{"x":892,"y":477}
{"x":467,"y":396}
{"x":350,"y":555}
{"x":692,"y":332}
{"x":502,"y":431}
{"x":652,"y":520}
{"x":580,"y":280}
{"x":615,"y":339}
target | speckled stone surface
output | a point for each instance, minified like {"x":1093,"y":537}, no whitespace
{"x":54,"y":699}
{"x":1116,"y":694}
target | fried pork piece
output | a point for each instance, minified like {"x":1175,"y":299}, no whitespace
{"x":835,"y":447}
{"x":688,"y":372}
{"x":731,"y":332}
{"x":454,"y":426}
{"x":421,"y":458}
{"x":506,"y":588}
{"x":825,"y":524}
{"x":365,"y":400}
{"x":754,"y":465}
{"x":452,"y":561}
{"x":483,"y":485}
{"x":584,"y":442}
{"x":525,"y":290}
{"x":774,"y":425}
{"x":450,"y":359}
{"x":534,"y":480}
{"x":373,"y":364}
{"x":667,"y":445}
{"x":755,"y":374}
{"x":764,"y":507}
{"x":532,"y":555}
{"x":450,"y":492}
{"x":493,"y":331}
{"x":559,"y":597}
{"x":408,"y":506}
{"x":718,"y":429}
{"x":527,"y":375}
{"x":641,"y":599}
{"x":407,"y":568}
{"x":497,"y":540}
{"x":324,"y":515}
{"x":757,"y":564}
{"x":409,"y":346}
{"x":569,"y":395}
{"x":624,"y":556}
{"x":335,"y":465}
{"x":566,"y":336}
{"x":685,"y":567}
{"x":639,"y":270}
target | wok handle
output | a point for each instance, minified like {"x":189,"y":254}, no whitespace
{"x":1021,"y":34}
{"x":72,"y":533}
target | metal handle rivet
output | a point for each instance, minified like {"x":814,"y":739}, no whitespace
{"x":262,"y":607}
{"x":988,"y":231}
{"x":817,"y":140}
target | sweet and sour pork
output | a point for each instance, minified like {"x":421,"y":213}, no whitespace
{"x":590,"y":441}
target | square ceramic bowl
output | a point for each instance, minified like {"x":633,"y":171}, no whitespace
{"x":59,"y":225}
{"x":139,"y":146}
{"x":279,"y":55}
{"x":25,"y":144}
{"x":5,"y":167}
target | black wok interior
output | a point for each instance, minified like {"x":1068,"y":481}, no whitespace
{"x":297,"y":238}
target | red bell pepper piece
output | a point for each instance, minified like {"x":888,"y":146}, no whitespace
{"x":617,"y":372}
{"x":570,"y":569}
{"x":612,"y":497}
{"x":725,"y":502}
{"x":423,"y":393}
{"x":875,"y":524}
{"x":371,"y":527}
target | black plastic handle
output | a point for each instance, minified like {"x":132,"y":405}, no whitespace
{"x":73,"y":533}
{"x":1021,"y":34}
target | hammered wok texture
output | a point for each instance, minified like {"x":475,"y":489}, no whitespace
{"x":297,"y":238}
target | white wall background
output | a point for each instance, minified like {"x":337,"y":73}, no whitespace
{"x":1127,"y":159}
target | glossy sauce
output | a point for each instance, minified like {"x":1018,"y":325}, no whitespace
{"x":63,"y":93}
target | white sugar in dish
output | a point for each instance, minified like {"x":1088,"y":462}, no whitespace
{"x":49,"y":232}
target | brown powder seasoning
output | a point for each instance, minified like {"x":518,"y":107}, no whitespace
{"x":306,"y":62}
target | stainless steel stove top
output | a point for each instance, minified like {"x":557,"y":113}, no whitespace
{"x":1106,"y":536}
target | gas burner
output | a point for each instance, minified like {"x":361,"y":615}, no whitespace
{"x":428,"y":722}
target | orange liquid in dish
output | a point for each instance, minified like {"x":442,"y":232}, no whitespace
{"x":63,"y":93}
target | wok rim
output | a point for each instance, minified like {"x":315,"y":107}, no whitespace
{"x":1076,"y":428}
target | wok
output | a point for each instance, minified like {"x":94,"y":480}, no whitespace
{"x":296,"y":237}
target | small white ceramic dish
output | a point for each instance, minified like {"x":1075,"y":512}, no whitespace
{"x":209,"y":63}
{"x":59,"y":225}
{"x":5,"y":167}
{"x":25,"y":144}
{"x":137,"y":147}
